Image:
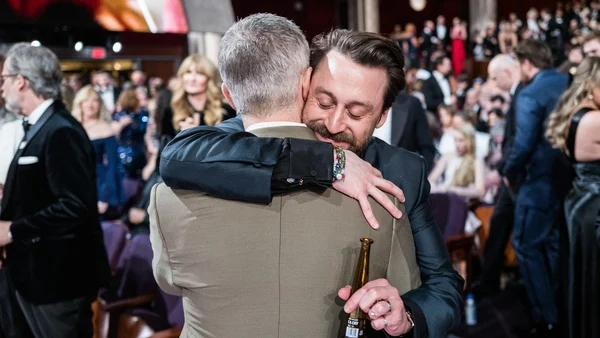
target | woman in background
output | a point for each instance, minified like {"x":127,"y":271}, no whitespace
{"x":130,"y":125}
{"x":573,"y":128}
{"x":89,"y":109}
{"x":197,"y":99}
{"x":463,"y":173}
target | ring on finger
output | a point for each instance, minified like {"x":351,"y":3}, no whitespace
{"x":385,"y":323}
{"x":389,"y":306}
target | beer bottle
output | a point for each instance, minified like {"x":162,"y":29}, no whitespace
{"x":357,"y":319}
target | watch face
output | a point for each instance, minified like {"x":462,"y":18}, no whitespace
{"x":418,"y":5}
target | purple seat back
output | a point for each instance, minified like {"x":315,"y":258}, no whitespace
{"x":131,"y":187}
{"x":115,"y":237}
{"x":135,"y":268}
{"x":166,"y":312}
{"x":450,"y":212}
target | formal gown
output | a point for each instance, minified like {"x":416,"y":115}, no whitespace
{"x":108,"y":174}
{"x":459,"y":54}
{"x":582,"y":210}
{"x":131,"y":143}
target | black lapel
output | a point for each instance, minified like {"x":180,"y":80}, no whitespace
{"x":399,"y":117}
{"x":27,"y":139}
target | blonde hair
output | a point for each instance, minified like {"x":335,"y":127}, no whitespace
{"x":465,"y":174}
{"x":83,"y":94}
{"x":182,"y":109}
{"x":586,"y":78}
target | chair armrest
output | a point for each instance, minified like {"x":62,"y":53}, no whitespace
{"x":125,"y":303}
{"x":174,"y":332}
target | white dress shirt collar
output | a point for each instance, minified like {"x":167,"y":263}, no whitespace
{"x":513,"y":89}
{"x":37,"y":113}
{"x":262,"y":125}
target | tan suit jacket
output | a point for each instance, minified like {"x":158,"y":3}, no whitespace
{"x":250,"y":270}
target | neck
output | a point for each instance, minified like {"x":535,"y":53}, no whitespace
{"x":198,"y":101}
{"x":280,"y":116}
{"x":31,"y":102}
{"x":533,"y":73}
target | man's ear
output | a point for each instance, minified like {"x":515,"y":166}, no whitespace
{"x":227,"y":95}
{"x":306,"y":75}
{"x":383,"y":117}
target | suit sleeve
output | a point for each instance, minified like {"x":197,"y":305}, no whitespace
{"x":438,"y":301}
{"x":424,"y":137}
{"x":232,"y":164}
{"x":528,"y":122}
{"x":161,"y":264}
{"x":69,"y":169}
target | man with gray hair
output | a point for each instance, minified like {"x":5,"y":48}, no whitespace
{"x":49,"y":225}
{"x":285,"y":261}
{"x":504,"y":71}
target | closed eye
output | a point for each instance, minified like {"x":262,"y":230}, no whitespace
{"x":324,"y":106}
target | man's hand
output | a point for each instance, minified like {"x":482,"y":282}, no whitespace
{"x":382,"y":303}
{"x":4,"y":230}
{"x":362,"y":180}
{"x":137,"y":215}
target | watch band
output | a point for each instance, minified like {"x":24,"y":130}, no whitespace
{"x":411,"y":321}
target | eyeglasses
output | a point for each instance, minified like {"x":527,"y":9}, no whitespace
{"x":3,"y":77}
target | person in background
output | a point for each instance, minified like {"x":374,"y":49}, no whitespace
{"x":67,"y":95}
{"x":197,"y":100}
{"x":573,"y":128}
{"x":130,"y":127}
{"x":463,"y":173}
{"x":482,"y":140}
{"x":459,"y":52}
{"x":89,"y":110}
{"x":446,"y":143}
{"x":49,"y":225}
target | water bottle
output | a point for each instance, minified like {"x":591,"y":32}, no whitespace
{"x":471,"y":311}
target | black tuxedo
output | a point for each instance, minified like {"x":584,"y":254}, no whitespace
{"x":434,"y":96}
{"x":445,"y":40}
{"x":410,"y":129}
{"x":57,"y":252}
{"x":231,"y":164}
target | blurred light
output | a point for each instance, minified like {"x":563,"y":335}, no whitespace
{"x":117,"y":47}
{"x":117,"y":66}
{"x":298,"y":6}
{"x":78,"y":46}
{"x":35,"y":43}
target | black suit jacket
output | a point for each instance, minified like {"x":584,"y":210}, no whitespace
{"x":229,"y":163}
{"x":509,"y":127}
{"x":434,"y":96}
{"x":57,"y":251}
{"x":410,"y":129}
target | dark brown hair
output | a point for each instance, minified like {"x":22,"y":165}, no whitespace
{"x":536,"y":52}
{"x":595,"y":35}
{"x":367,"y":49}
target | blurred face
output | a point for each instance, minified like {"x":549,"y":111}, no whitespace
{"x":441,"y":20}
{"x":502,"y":78}
{"x":10,"y":89}
{"x":445,"y":118}
{"x":592,"y":48}
{"x":345,"y":101}
{"x":456,"y":21}
{"x":458,"y":121}
{"x":103,"y":80}
{"x":462,"y":145}
{"x":513,"y":17}
{"x":575,"y":55}
{"x":194,"y":82}
{"x":471,"y":99}
{"x":430,"y":25}
{"x":574,"y":24}
{"x":446,"y":67}
{"x":90,"y":107}
{"x":138,"y":78}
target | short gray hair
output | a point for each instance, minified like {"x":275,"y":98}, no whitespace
{"x":39,"y":66}
{"x":261,"y":59}
{"x":503,"y":61}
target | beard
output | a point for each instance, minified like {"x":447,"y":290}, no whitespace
{"x":354,"y":145}
{"x":13,"y":106}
